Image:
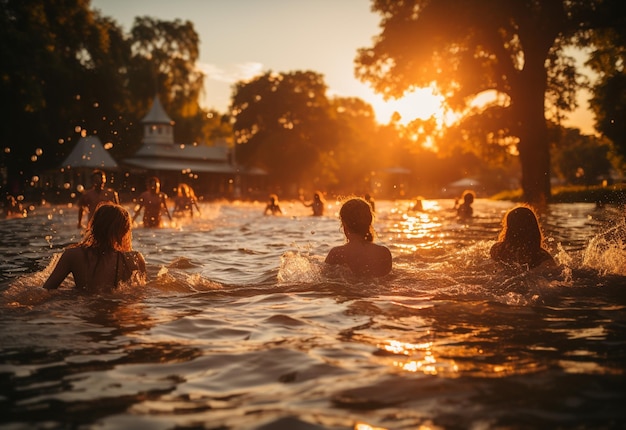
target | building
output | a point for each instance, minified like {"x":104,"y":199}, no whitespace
{"x":210,"y":170}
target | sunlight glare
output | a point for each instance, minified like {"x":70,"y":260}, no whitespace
{"x":421,"y":103}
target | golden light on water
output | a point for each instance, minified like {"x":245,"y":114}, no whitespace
{"x":420,"y":358}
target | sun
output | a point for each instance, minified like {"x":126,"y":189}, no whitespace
{"x":421,"y":103}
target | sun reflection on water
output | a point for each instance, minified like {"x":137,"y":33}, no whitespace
{"x":420,"y":358}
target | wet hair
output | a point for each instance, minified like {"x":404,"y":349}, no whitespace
{"x":520,"y":228}
{"x":273,"y":198}
{"x":356,"y":216}
{"x":109,"y":229}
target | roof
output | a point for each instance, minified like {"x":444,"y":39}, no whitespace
{"x":89,"y":152}
{"x":157,"y":114}
{"x":184,"y":152}
{"x":196,"y":166}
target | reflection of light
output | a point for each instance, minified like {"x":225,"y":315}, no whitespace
{"x":398,"y":347}
{"x":363,"y":426}
{"x":426,"y":364}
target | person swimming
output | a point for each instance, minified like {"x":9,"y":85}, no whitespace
{"x":154,"y":202}
{"x":317,"y":204}
{"x":465,"y":211}
{"x":105,"y":256}
{"x":272,"y":206}
{"x":185,"y":201}
{"x":521,"y":240}
{"x":360,"y":254}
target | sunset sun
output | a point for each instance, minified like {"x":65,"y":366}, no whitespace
{"x":419,"y":104}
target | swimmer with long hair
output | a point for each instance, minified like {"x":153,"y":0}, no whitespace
{"x":105,"y":257}
{"x":360,"y":254}
{"x":521,"y":241}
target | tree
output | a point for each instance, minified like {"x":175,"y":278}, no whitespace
{"x":580,"y":159}
{"x":59,"y":77}
{"x":164,"y":63}
{"x":357,"y":150}
{"x":282,"y":124}
{"x":514,"y":48}
{"x":608,"y":60}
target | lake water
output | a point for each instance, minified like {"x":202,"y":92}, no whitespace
{"x":239,"y":326}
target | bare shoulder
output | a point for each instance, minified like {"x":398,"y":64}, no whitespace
{"x":496,"y":250}
{"x":336,"y":255}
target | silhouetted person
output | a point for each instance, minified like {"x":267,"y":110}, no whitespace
{"x":272,"y":206}
{"x":185,"y":201}
{"x":154,"y":202}
{"x":369,"y":199}
{"x":317,"y":204}
{"x":97,"y":194}
{"x":521,"y":241}
{"x":360,"y":254}
{"x":465,"y":210}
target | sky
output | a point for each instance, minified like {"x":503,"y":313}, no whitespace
{"x":240,"y":39}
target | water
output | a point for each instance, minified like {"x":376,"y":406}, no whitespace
{"x":241,"y":327}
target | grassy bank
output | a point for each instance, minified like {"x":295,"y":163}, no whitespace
{"x":613,"y":194}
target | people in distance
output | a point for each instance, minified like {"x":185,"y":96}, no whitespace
{"x":360,"y":254}
{"x":154,"y":203}
{"x":185,"y":201}
{"x":369,"y":199}
{"x":465,"y":211}
{"x":521,"y":240}
{"x":105,"y":257}
{"x":317,"y":204}
{"x":97,"y":194}
{"x":272,"y":206}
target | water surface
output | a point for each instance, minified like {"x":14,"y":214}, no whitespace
{"x":242,"y":327}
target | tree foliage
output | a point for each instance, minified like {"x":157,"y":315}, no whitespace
{"x":608,"y":59}
{"x":281,"y":124}
{"x":579,"y":159}
{"x":68,"y":71}
{"x":513,"y":48}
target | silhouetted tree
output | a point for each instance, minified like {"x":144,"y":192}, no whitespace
{"x":56,"y":81}
{"x":281,"y":123}
{"x":580,"y":159}
{"x":511,"y":47}
{"x":607,"y":59}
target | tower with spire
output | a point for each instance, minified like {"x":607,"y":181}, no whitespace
{"x":158,"y":127}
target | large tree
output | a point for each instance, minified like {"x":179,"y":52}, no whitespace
{"x":66,"y":71}
{"x":513,"y":48}
{"x":53,"y":82}
{"x":282,"y":124}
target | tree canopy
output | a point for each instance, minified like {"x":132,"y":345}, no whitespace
{"x":513,"y":48}
{"x":68,"y":71}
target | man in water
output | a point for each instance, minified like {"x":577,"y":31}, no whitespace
{"x":153,"y":202}
{"x":97,"y":194}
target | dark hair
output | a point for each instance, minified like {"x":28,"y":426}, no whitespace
{"x":356,"y":215}
{"x":468,"y":196}
{"x":109,"y":229}
{"x":520,"y":228}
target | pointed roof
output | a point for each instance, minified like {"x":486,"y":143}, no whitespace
{"x":157,"y":114}
{"x":89,"y":152}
